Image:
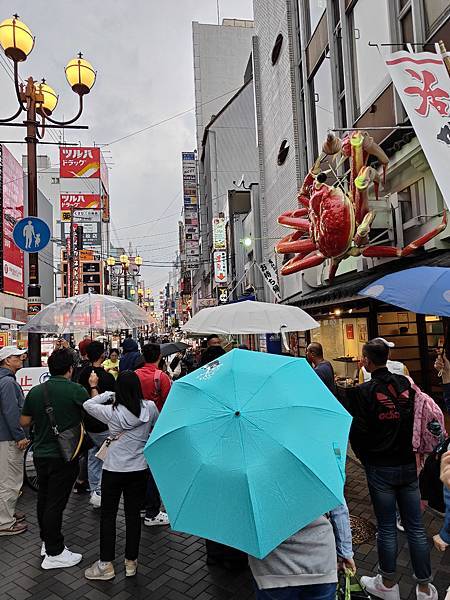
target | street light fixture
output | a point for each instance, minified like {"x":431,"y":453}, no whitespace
{"x":38,"y":101}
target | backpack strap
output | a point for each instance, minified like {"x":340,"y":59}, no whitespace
{"x":157,"y":382}
{"x":49,"y":409}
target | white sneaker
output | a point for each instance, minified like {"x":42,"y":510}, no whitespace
{"x":160,"y":519}
{"x":95,"y":500}
{"x":433,"y":595}
{"x":63,"y":560}
{"x":43,"y":552}
{"x":399,"y":525}
{"x":374,"y":585}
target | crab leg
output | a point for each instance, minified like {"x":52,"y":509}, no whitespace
{"x":381,"y":251}
{"x":300,"y":262}
{"x":291,"y":218}
{"x":333,"y":268}
{"x":293,"y":243}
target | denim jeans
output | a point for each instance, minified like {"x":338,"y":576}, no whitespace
{"x":446,"y":390}
{"x":95,"y":465}
{"x":319,"y":591}
{"x":399,"y":485}
{"x":445,"y":531}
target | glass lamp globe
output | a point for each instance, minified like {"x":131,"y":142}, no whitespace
{"x":80,"y":75}
{"x":138,"y":261}
{"x":123,"y":259}
{"x":50,"y":98}
{"x":16,"y":39}
{"x":110,"y":261}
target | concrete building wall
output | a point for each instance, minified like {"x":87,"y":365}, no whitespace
{"x":276,"y":102}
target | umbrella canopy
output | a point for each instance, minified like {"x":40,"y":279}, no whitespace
{"x":173,"y":348}
{"x":6,"y":321}
{"x":248,"y":450}
{"x":250,"y":317}
{"x":87,"y":312}
{"x":424,"y":290}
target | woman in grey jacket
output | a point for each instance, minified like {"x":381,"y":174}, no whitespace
{"x":130,"y":420}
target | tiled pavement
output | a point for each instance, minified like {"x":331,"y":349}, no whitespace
{"x":172,"y":565}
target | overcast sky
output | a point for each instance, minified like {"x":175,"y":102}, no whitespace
{"x":142,"y":51}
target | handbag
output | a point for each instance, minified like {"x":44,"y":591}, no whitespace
{"x":103,"y":450}
{"x":70,"y":440}
{"x":349,"y":588}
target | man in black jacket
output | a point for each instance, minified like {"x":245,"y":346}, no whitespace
{"x":97,"y":430}
{"x":381,"y":437}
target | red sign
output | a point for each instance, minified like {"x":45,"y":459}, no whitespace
{"x":75,"y":201}
{"x":79,"y":162}
{"x":350,"y":331}
{"x":11,"y":202}
{"x":105,"y":213}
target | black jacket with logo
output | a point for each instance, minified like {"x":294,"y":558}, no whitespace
{"x":383,"y":419}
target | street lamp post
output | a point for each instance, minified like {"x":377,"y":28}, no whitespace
{"x":38,"y":101}
{"x":125,"y":262}
{"x":111,"y":261}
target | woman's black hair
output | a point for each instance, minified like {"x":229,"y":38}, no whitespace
{"x":129,"y":392}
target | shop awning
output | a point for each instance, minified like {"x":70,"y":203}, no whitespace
{"x":346,"y":287}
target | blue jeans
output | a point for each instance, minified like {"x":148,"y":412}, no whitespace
{"x":445,"y":531}
{"x":319,"y":591}
{"x":399,"y":485}
{"x":95,"y":465}
{"x":446,"y":390}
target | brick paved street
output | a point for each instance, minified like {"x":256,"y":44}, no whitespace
{"x":172,"y":565}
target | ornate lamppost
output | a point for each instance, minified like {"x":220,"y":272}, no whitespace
{"x":38,"y":101}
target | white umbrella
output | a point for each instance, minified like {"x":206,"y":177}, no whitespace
{"x":6,"y":321}
{"x":250,"y":317}
{"x":87,"y":312}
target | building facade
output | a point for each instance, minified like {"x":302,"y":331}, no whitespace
{"x":221,"y":54}
{"x":318,"y":67}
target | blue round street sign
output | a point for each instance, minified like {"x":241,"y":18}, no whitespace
{"x":31,"y":234}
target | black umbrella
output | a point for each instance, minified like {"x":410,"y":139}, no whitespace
{"x":173,"y":348}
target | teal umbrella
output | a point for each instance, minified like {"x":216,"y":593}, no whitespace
{"x":248,"y":450}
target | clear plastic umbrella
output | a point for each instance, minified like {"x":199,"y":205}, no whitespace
{"x":87,"y":312}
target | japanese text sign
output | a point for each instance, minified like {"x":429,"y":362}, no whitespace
{"x":423,"y":84}
{"x":269,"y":273}
{"x":220,"y":266}
{"x":73,"y":201}
{"x":79,"y":162}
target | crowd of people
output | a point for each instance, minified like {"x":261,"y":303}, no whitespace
{"x":118,"y":399}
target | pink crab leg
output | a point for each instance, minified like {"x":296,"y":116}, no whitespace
{"x":291,"y":218}
{"x":300,"y":262}
{"x":381,"y":251}
{"x":291,"y":244}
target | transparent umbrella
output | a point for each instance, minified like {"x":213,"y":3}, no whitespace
{"x":87,"y":312}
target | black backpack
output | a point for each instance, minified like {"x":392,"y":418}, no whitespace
{"x":431,"y":487}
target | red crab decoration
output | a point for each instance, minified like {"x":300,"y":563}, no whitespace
{"x":335,"y":224}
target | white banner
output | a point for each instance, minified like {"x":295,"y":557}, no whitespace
{"x":219,"y":234}
{"x":220,"y":266}
{"x":423,"y":84}
{"x":269,"y":273}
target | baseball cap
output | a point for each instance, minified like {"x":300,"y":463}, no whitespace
{"x":385,"y":342}
{"x":10,"y":351}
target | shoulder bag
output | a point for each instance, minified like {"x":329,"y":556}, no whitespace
{"x":70,"y":440}
{"x":103,"y":450}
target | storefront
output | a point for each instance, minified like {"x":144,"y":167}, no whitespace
{"x":347,"y":321}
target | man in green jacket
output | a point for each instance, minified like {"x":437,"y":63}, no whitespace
{"x":56,"y":477}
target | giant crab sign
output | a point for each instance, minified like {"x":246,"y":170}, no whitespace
{"x":333,"y":222}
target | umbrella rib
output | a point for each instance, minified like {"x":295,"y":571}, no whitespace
{"x":290,"y":452}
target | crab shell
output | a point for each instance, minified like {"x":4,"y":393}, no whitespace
{"x":332,"y":218}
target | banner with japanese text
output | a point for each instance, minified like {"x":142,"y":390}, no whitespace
{"x":423,"y":84}
{"x":12,"y":207}
{"x":79,"y":162}
{"x":73,"y":201}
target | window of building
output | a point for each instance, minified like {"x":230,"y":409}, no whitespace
{"x":412,"y":203}
{"x":315,"y":9}
{"x":277,"y":48}
{"x":55,"y":179}
{"x":436,"y":12}
{"x":369,"y":22}
{"x":322,"y":102}
{"x":283,"y":152}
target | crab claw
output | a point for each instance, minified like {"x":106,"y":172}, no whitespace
{"x":372,"y":148}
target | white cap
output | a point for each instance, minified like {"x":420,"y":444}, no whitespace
{"x":385,"y":342}
{"x":10,"y":351}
